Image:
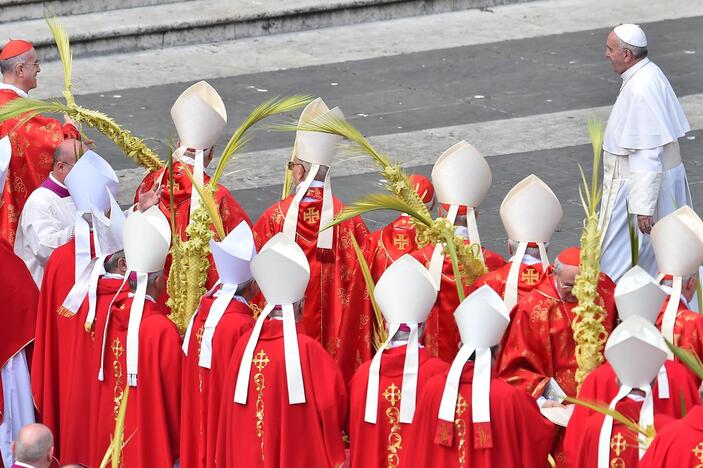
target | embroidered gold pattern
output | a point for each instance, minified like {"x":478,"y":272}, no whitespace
{"x":698,"y":453}
{"x":460,"y":425}
{"x":530,"y":276}
{"x":311,"y":215}
{"x":395,"y":440}
{"x":260,"y":361}
{"x":618,"y":445}
{"x":199,"y":337}
{"x":118,"y":391}
{"x":400,"y":241}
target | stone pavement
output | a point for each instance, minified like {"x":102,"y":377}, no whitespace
{"x":517,"y":81}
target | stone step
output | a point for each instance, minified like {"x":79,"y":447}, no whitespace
{"x":20,"y":10}
{"x":206,"y":21}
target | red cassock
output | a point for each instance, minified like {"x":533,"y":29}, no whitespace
{"x":688,"y":328}
{"x":679,"y":444}
{"x":18,"y":297}
{"x":601,"y":386}
{"x":539,"y":344}
{"x":230,"y":211}
{"x":441,"y":334}
{"x":624,"y":444}
{"x":152,"y":419}
{"x":33,"y":144}
{"x":55,"y":331}
{"x":202,"y":387}
{"x":270,"y":432}
{"x":82,"y":373}
{"x":385,"y":443}
{"x":520,"y":435}
{"x":380,"y":249}
{"x":328,"y":293}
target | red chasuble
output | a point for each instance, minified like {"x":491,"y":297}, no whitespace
{"x":381,"y":248}
{"x":33,"y":144}
{"x":601,"y":386}
{"x":230,"y":211}
{"x":81,"y":375}
{"x":441,"y":334}
{"x":270,"y":432}
{"x":540,"y":345}
{"x":18,"y":297}
{"x":152,"y":418}
{"x":688,"y":328}
{"x":202,"y":387}
{"x":528,"y":279}
{"x":679,"y":444}
{"x":624,"y":445}
{"x":385,"y":443}
{"x":520,"y":435}
{"x":328,"y":293}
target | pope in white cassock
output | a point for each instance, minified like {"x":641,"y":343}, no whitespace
{"x":644,"y":178}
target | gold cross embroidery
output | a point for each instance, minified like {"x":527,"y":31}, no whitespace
{"x":400,"y":241}
{"x":117,"y":348}
{"x":311,"y":215}
{"x":617,"y":443}
{"x":392,"y":394}
{"x":529,"y":276}
{"x":698,"y":452}
{"x":260,"y":360}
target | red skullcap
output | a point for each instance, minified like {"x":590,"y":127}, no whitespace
{"x":570,"y":256}
{"x":14,"y":48}
{"x":423,"y":187}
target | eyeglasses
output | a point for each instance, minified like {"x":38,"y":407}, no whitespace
{"x":36,"y":64}
{"x":292,"y":164}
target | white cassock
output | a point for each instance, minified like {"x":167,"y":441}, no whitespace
{"x":642,"y":169}
{"x":18,"y":403}
{"x":46,"y":223}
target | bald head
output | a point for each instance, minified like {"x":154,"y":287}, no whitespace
{"x":34,"y":445}
{"x":65,"y":156}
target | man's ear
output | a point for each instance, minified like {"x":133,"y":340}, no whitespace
{"x":122,"y":265}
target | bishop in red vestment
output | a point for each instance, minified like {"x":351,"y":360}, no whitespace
{"x":380,"y":249}
{"x":680,"y":443}
{"x":688,"y":325}
{"x":33,"y":142}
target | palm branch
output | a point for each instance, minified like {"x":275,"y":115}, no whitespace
{"x":616,"y":415}
{"x":380,"y":332}
{"x":63,"y":45}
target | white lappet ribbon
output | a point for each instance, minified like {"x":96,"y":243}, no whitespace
{"x":81,"y":236}
{"x":437,"y":259}
{"x":669,"y":318}
{"x":198,"y":173}
{"x":646,"y":419}
{"x":290,"y":225}
{"x":510,"y":296}
{"x":101,"y":372}
{"x":294,"y":374}
{"x":411,"y":368}
{"x":135,"y":320}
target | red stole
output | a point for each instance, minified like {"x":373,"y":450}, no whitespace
{"x":328,"y":292}
{"x":385,"y":442}
{"x":265,"y":431}
{"x":19,"y":297}
{"x":601,"y":386}
{"x":441,"y":336}
{"x":201,"y":387}
{"x":33,"y":144}
{"x":153,"y":408}
{"x":521,"y":436}
{"x":680,"y":443}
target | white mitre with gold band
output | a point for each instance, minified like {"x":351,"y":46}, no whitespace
{"x":147,"y":239}
{"x":530,"y":213}
{"x":677,"y":240}
{"x":200,"y":116}
{"x":482,"y":318}
{"x":405,"y":293}
{"x":461,"y":177}
{"x":233,"y":256}
{"x":636,"y":336}
{"x":318,"y":149}
{"x":282,"y":272}
{"x":5,"y":156}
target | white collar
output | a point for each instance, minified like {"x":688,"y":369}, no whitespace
{"x":20,"y":93}
{"x":527,"y":260}
{"x":313,"y":184}
{"x":19,"y":463}
{"x":186,"y":160}
{"x":51,"y":176}
{"x":630,"y":72}
{"x":668,"y":291}
{"x":146,"y":296}
{"x":461,"y":231}
{"x":113,"y":276}
{"x":399,"y":343}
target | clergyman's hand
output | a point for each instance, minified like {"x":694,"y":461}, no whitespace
{"x":645,"y":223}
{"x":149,"y":198}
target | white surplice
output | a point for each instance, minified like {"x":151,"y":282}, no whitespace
{"x":46,"y":223}
{"x":643,"y":171}
{"x":18,"y":403}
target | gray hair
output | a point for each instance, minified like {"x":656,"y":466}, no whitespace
{"x":34,"y":447}
{"x":8,"y":65}
{"x":637,"y":52}
{"x":151,"y":280}
{"x":684,"y":280}
{"x":321,"y":172}
{"x":112,"y":263}
{"x":531,"y":251}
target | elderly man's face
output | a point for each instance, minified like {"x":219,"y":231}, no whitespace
{"x":621,"y":59}
{"x":29,"y":69}
{"x":565,"y":279}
